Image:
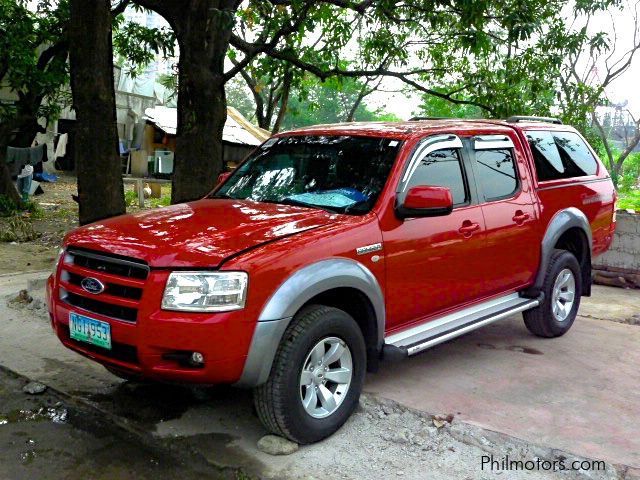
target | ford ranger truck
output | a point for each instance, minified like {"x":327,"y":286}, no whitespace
{"x":331,"y":247}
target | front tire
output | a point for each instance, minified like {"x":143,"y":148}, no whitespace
{"x":562,"y":289}
{"x":316,"y":377}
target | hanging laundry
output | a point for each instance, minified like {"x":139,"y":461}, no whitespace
{"x":47,"y":140}
{"x":45,"y":177}
{"x":36,"y":154}
{"x":61,"y":148}
{"x":25,"y":178}
{"x":16,"y":159}
{"x":19,"y":157}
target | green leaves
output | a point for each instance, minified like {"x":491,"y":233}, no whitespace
{"x":331,"y":101}
{"x":33,"y":55}
{"x":138,"y":45}
{"x":504,"y":55}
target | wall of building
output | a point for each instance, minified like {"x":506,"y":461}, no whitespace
{"x":620,"y":265}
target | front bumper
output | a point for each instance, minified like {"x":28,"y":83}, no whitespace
{"x":145,"y":347}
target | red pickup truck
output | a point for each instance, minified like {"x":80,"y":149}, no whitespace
{"x":334,"y":246}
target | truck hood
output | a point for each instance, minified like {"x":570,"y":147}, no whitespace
{"x":197,"y":234}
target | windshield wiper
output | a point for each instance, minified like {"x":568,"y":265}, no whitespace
{"x":356,"y":205}
{"x":298,"y":203}
{"x":223,"y":195}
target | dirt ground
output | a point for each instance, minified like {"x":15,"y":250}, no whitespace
{"x":58,"y":214}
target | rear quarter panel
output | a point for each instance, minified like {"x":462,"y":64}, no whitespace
{"x":594,"y":198}
{"x":594,"y":195}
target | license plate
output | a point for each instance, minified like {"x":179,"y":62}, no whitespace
{"x":89,"y":330}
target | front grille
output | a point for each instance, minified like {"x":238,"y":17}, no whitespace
{"x":103,"y":308}
{"x":112,"y":264}
{"x":119,"y":351}
{"x":111,"y":288}
{"x":123,"y":279}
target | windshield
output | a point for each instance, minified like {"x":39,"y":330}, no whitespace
{"x":338,"y":173}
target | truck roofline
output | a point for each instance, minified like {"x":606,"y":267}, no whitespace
{"x":407,"y":129}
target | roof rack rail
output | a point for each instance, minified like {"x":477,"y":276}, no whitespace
{"x":416,"y":119}
{"x":525,"y":118}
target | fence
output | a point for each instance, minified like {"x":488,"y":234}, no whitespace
{"x":620,"y":266}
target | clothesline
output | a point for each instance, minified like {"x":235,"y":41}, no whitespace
{"x":19,"y":157}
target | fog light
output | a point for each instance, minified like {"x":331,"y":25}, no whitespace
{"x":197,"y":358}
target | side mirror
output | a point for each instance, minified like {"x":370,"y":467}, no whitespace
{"x":223,"y":177}
{"x":426,"y":201}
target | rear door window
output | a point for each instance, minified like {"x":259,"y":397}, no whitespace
{"x":496,"y":173}
{"x":560,"y":155}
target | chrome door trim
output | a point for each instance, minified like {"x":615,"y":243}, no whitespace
{"x":491,"y":142}
{"x":428,"y":145}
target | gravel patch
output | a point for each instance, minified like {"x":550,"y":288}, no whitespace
{"x":384,"y":440}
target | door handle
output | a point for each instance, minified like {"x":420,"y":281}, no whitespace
{"x":520,"y":217}
{"x":468,"y":228}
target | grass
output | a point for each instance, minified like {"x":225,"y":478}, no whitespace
{"x":131,"y":198}
{"x":163,"y":201}
{"x":629,"y":199}
{"x":8,"y":208}
{"x":18,"y":229}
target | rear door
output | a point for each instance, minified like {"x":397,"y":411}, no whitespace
{"x":434,"y":263}
{"x":512,"y":246}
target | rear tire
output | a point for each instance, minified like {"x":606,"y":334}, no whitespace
{"x":316,"y":377}
{"x":562,"y":290}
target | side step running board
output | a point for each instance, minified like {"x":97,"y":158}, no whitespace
{"x":439,"y":330}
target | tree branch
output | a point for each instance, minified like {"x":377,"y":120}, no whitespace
{"x":252,"y":50}
{"x":284,"y":100}
{"x":337,"y":72}
{"x":604,"y":136}
{"x":631,"y":145}
{"x":120,"y":8}
{"x":359,"y":7}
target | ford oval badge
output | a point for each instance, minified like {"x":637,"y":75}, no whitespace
{"x":92,"y":285}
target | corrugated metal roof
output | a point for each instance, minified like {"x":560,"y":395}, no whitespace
{"x":237,"y":129}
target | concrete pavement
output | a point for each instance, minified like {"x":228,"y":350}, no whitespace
{"x":579,"y":393}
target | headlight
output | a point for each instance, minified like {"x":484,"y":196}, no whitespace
{"x":205,"y":291}
{"x":57,"y":261}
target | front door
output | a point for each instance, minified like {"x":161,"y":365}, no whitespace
{"x":434,"y":263}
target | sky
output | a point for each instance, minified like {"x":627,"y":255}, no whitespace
{"x":626,"y":86}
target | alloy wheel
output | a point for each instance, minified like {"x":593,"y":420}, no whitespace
{"x":326,"y":376}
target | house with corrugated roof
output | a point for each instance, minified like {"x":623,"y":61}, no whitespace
{"x":239,"y":136}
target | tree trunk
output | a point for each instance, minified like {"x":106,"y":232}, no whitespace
{"x":203,"y":29}
{"x":7,"y":186}
{"x":257,"y":98}
{"x":202,"y":112}
{"x":98,"y":164}
{"x":284,"y":101}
